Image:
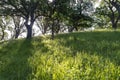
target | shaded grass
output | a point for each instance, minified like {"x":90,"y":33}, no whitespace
{"x":74,"y":56}
{"x":14,"y":65}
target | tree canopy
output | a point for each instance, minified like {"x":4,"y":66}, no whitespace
{"x":58,"y":15}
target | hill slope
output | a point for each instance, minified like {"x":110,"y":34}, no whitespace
{"x":74,"y":56}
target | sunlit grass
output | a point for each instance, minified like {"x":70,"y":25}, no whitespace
{"x":74,"y":56}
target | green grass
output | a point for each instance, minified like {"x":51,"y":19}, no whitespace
{"x":74,"y":56}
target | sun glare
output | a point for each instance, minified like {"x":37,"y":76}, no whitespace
{"x":50,"y":0}
{"x":97,"y":3}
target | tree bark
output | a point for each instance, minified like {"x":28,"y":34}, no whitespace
{"x":29,"y":27}
{"x":17,"y":33}
{"x":3,"y":35}
{"x":76,"y":28}
{"x":29,"y":31}
{"x":72,"y":28}
{"x":114,"y":26}
{"x":52,"y":36}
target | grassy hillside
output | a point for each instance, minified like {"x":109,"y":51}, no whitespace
{"x":74,"y":56}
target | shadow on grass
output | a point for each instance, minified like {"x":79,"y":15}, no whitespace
{"x":14,"y":61}
{"x":104,"y":44}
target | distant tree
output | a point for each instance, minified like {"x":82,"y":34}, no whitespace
{"x":111,"y":9}
{"x":43,"y":23}
{"x":79,"y":14}
{"x":4,"y":26}
{"x":54,"y":13}
{"x":101,"y":16}
{"x":18,"y":25}
{"x":116,"y":4}
{"x":2,"y":29}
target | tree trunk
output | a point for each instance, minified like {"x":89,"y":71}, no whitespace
{"x":29,"y":27}
{"x":57,"y":29}
{"x":17,"y":33}
{"x":114,"y":26}
{"x":3,"y":34}
{"x":52,"y":36}
{"x":76,"y":28}
{"x":29,"y":31}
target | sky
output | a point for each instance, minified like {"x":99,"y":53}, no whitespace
{"x":97,"y":3}
{"x":50,"y":0}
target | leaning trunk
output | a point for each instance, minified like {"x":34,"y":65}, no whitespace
{"x":114,"y":25}
{"x":76,"y":28}
{"x":17,"y":33}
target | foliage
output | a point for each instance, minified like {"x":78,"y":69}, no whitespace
{"x":58,"y":12}
{"x":5,"y":26}
{"x":74,"y":56}
{"x":27,"y":9}
{"x":78,"y":14}
{"x":110,"y":9}
{"x":19,"y":24}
